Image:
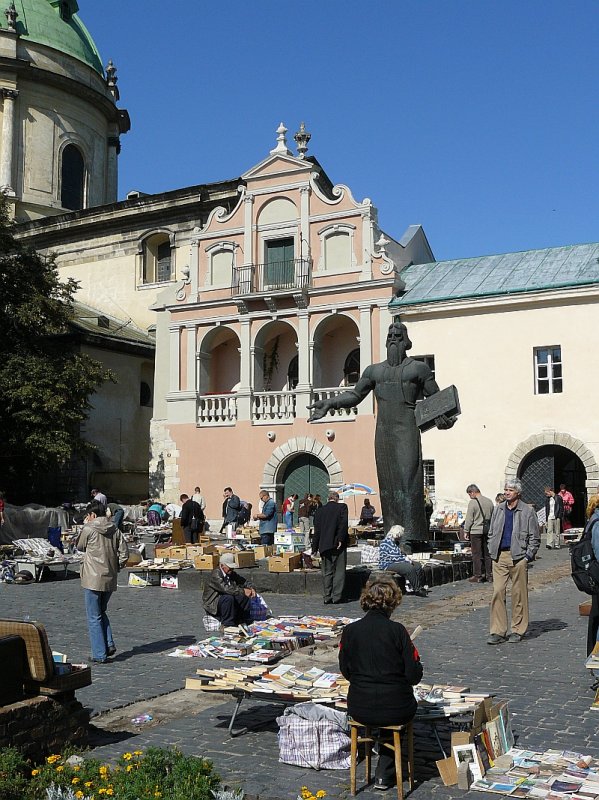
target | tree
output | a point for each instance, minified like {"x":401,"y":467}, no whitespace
{"x":45,"y":384}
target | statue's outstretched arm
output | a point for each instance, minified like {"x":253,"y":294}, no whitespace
{"x":347,"y":399}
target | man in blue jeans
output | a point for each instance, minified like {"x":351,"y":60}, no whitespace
{"x":105,"y":552}
{"x":267,"y":519}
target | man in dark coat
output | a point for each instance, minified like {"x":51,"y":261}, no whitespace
{"x":227,"y":594}
{"x":330,"y":540}
{"x":192,"y":519}
{"x":231,"y":508}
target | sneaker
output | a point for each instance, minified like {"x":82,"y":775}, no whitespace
{"x":474,"y":579}
{"x":99,"y":660}
{"x":382,"y":786}
{"x":495,"y":638}
{"x":514,"y":638}
{"x":421,"y":593}
{"x":548,"y":547}
{"x":111,"y":651}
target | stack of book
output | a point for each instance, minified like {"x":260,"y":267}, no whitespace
{"x":283,"y":682}
{"x":267,"y":641}
{"x":548,"y":774}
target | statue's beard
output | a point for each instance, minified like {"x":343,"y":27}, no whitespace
{"x":395,"y":353}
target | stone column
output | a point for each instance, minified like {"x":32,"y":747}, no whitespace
{"x":191,"y":359}
{"x":367,"y":405}
{"x":112,"y":169}
{"x":8,"y":140}
{"x":244,"y":393}
{"x":305,"y":223}
{"x":304,"y":387}
{"x":174,"y":360}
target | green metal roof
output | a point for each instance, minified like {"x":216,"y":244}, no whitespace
{"x":40,"y":21}
{"x":509,"y":273}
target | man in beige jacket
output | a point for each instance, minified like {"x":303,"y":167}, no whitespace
{"x":105,"y":552}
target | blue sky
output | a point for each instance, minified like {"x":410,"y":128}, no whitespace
{"x":477,"y":119}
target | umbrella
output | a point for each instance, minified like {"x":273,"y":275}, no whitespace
{"x":354,"y":490}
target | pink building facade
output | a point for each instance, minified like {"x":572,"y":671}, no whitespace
{"x":285,"y":301}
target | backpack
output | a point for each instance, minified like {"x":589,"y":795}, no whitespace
{"x":198,"y":519}
{"x":585,"y":567}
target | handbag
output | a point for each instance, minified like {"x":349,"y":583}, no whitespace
{"x":317,"y":744}
{"x":486,"y":522}
{"x":258,"y":608}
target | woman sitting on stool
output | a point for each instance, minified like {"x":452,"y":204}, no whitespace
{"x":379,"y":660}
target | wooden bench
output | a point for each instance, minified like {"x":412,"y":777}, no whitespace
{"x":40,"y":675}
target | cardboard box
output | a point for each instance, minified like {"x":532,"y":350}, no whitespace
{"x":285,"y":563}
{"x":264,"y":551}
{"x":177,"y":552}
{"x":245,"y":558}
{"x":194,"y":550}
{"x":289,"y":538}
{"x":169,"y":581}
{"x":205,"y":562}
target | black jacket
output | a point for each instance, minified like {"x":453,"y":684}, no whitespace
{"x":330,"y":527}
{"x":218,"y":584}
{"x":190,"y":510}
{"x":381,"y":664}
{"x":559,"y":506}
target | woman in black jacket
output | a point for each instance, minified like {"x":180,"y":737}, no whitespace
{"x":381,"y":664}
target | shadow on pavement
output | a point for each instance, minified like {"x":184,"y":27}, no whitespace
{"x":99,"y":737}
{"x":536,"y":629}
{"x":155,"y":647}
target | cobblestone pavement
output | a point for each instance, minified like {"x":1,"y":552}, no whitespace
{"x":543,"y":676}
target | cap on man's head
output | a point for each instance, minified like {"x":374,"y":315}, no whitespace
{"x":228,"y":559}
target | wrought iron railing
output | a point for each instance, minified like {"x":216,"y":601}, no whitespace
{"x":278,"y":275}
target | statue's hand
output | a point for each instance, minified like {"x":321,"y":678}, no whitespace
{"x":443,"y":422}
{"x":320,"y":410}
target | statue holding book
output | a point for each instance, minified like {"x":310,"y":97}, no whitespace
{"x":398,"y":383}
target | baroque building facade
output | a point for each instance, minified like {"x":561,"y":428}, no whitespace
{"x":268,"y":291}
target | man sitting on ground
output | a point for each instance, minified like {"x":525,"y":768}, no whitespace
{"x":393,"y":559}
{"x":227,"y":594}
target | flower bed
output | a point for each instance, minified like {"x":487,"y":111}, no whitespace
{"x":157,"y":773}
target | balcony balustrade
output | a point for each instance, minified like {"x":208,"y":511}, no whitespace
{"x":326,"y":394}
{"x":217,"y":409}
{"x":266,"y":407}
{"x":275,"y":276}
{"x":273,"y":406}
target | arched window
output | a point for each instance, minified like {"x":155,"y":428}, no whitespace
{"x":351,"y":368}
{"x":157,"y":259}
{"x":72,"y":178}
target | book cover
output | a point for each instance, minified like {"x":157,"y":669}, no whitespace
{"x":493,"y":729}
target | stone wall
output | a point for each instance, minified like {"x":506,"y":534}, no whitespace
{"x":41,"y":726}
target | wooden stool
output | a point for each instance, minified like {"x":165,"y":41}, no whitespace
{"x":368,"y":739}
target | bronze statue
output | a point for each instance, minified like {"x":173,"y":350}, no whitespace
{"x":397,"y":383}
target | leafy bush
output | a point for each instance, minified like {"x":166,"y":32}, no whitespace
{"x":157,"y":773}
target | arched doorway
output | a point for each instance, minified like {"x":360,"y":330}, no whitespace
{"x":304,"y":474}
{"x":551,"y":465}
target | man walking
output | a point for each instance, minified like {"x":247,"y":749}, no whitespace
{"x":304,"y":514}
{"x":476,"y":528}
{"x":554,"y":514}
{"x":192,"y":519}
{"x":105,"y":552}
{"x":331,"y":538}
{"x":514,"y":539}
{"x":231,"y":508}
{"x":267,"y":519}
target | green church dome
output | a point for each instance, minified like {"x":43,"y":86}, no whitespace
{"x":56,"y":24}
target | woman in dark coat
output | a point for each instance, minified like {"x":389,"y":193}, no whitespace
{"x":379,"y":660}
